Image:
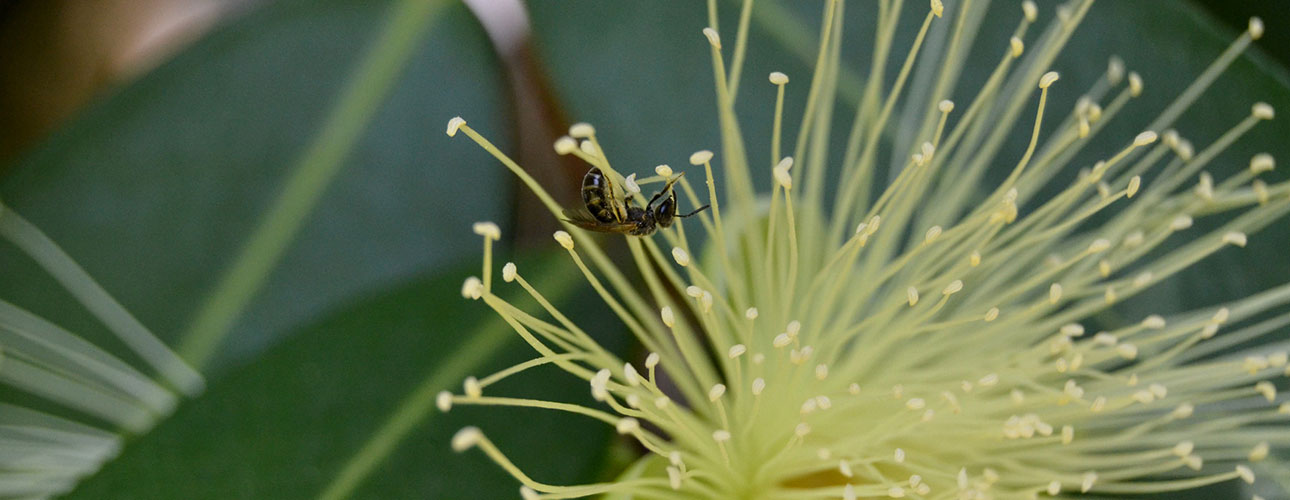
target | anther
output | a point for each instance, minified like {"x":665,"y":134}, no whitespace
{"x":899,"y":456}
{"x":443,"y":401}
{"x":1017,"y":47}
{"x":565,"y":145}
{"x":974,"y":259}
{"x":1181,"y":222}
{"x":466,"y":438}
{"x":1099,"y":245}
{"x":1029,"y":10}
{"x":751,"y":313}
{"x":1145,"y":138}
{"x":938,"y":8}
{"x":488,"y":230}
{"x":945,"y":106}
{"x":911,"y":294}
{"x":1086,"y":483}
{"x":700,"y":157}
{"x":821,"y":371}
{"x":600,"y":385}
{"x":1054,"y":293}
{"x":713,"y":37}
{"x":1262,"y":111}
{"x":1115,"y":70}
{"x":651,"y":360}
{"x":669,"y":318}
{"x":853,"y":389}
{"x":1127,"y":350}
{"x":1235,"y":238}
{"x":1184,"y":410}
{"x":663,"y":171}
{"x":1259,"y":452}
{"x":564,"y":240}
{"x":1068,"y":434}
{"x":454,"y":124}
{"x":952,"y":288}
{"x":932,"y":234}
{"x":1134,"y":184}
{"x":1135,"y":84}
{"x":992,"y":314}
{"x":1154,"y":322}
{"x":1048,"y":79}
{"x":682,"y":258}
{"x":716,"y":392}
{"x":844,"y":468}
{"x":630,"y":185}
{"x":1267,"y":389}
{"x":1245,"y":474}
{"x":627,"y":425}
{"x":472,"y":289}
{"x":508,"y":272}
{"x":758,"y":385}
{"x":778,"y":78}
{"x":1256,"y":28}
{"x":1262,"y":162}
{"x":736,"y":350}
{"x":781,"y":174}
{"x":582,"y":130}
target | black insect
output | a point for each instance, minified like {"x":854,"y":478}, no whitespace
{"x":606,"y":214}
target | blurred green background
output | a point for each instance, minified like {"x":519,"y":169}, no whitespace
{"x":267,"y":186}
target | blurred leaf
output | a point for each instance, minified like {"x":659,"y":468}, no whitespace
{"x":284,"y":426}
{"x":647,"y":86}
{"x":155,"y":189}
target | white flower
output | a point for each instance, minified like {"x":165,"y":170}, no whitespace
{"x":944,"y":347}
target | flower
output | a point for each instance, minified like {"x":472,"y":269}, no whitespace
{"x":888,"y":346}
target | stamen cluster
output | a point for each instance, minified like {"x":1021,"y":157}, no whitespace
{"x":889,"y":347}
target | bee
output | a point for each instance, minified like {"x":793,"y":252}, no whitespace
{"x":606,"y":214}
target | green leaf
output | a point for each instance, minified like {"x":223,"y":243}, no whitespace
{"x":286,"y":425}
{"x":157,"y":189}
{"x":647,"y":86}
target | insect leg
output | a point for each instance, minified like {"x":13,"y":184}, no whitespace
{"x":663,"y":191}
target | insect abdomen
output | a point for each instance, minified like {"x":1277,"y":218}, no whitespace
{"x":594,"y":186}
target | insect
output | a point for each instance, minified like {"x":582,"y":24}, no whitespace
{"x":606,"y":214}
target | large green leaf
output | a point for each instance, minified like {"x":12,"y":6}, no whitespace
{"x":156,"y":189}
{"x":647,"y":86}
{"x":286,"y":425}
